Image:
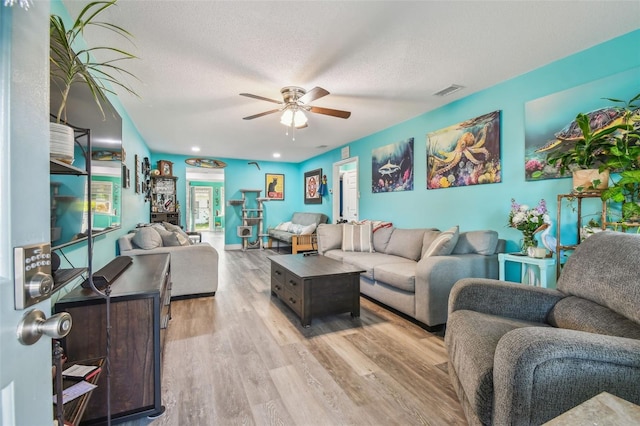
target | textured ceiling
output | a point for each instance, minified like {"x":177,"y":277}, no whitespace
{"x":382,"y":60}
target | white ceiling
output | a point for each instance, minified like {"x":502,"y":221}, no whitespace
{"x":381,"y":60}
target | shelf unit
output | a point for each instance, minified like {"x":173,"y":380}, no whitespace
{"x":164,"y":200}
{"x":252,"y":218}
{"x":579,"y":197}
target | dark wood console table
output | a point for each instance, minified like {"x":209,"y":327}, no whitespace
{"x":315,"y":285}
{"x":140,"y":313}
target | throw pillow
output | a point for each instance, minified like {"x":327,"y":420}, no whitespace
{"x":357,"y":238}
{"x":175,"y":228}
{"x":444,"y":244}
{"x":284,"y":226}
{"x":406,"y":243}
{"x":295,"y":228}
{"x":170,"y":239}
{"x":308,"y":230}
{"x":147,"y":238}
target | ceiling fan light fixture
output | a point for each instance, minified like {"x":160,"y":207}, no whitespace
{"x":293,"y":117}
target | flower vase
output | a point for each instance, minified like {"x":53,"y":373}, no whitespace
{"x":528,"y":240}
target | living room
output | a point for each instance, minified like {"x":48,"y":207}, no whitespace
{"x":472,"y":208}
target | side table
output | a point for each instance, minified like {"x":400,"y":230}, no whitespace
{"x":536,"y":272}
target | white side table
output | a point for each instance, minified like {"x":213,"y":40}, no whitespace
{"x":536,"y":272}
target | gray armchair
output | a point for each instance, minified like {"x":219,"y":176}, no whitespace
{"x":521,"y":355}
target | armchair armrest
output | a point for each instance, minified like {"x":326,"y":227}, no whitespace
{"x":503,"y":298}
{"x":541,"y":372}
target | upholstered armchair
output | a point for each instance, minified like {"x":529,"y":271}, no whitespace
{"x":521,"y":355}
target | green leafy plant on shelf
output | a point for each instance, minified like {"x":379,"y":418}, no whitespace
{"x":624,"y":159}
{"x":70,"y":67}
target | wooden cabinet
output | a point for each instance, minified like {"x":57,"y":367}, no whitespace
{"x":164,"y":203}
{"x":140,"y":312}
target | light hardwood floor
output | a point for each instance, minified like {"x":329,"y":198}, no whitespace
{"x":242,"y":358}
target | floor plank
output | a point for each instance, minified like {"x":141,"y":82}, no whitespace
{"x":243,"y":358}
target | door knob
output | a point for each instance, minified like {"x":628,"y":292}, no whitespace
{"x":34,"y":324}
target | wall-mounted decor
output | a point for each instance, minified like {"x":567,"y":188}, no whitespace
{"x":165,"y":167}
{"x":207,"y":163}
{"x":137,"y":174}
{"x":467,"y":153}
{"x":126,"y":179}
{"x":550,"y":120}
{"x":311,"y":186}
{"x":392,"y":167}
{"x":274,"y":186}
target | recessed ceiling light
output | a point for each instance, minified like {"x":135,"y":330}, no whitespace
{"x":449,"y":90}
{"x":322,"y":146}
{"x":195,"y":148}
{"x":276,"y":155}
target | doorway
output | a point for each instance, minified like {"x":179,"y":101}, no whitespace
{"x":205,"y":200}
{"x":346,"y":192}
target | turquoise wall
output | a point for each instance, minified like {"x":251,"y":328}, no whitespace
{"x":483,"y":206}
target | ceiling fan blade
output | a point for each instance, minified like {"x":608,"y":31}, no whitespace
{"x":332,"y":112}
{"x":313,"y":94}
{"x":249,"y":95}
{"x":251,"y":117}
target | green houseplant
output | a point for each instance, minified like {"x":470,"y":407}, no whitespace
{"x":588,"y":154}
{"x":624,"y":159}
{"x":69,"y":67}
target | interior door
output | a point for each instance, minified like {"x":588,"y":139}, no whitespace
{"x":350,"y":195}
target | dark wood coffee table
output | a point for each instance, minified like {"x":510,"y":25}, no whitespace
{"x":315,"y":285}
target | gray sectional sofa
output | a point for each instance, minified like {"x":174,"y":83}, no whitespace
{"x":194,"y":267}
{"x":412,"y":270}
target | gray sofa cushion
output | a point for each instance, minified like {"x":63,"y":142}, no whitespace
{"x":406,"y":243}
{"x":481,"y":242}
{"x":399,"y":275}
{"x":329,"y":237}
{"x":370,"y":262}
{"x":306,"y":218}
{"x":584,"y":275}
{"x":147,"y":238}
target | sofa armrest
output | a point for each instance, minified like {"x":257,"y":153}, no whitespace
{"x":503,"y":298}
{"x":436,"y":275}
{"x":541,"y":372}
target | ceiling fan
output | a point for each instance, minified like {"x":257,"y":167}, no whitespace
{"x":295,"y":102}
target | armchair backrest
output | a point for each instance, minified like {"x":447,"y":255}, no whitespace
{"x":605,"y":268}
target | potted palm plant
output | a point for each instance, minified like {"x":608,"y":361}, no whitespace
{"x":69,"y":67}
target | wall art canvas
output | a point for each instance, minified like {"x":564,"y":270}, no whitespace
{"x":274,"y":186}
{"x":392,"y":167}
{"x":549,"y":120}
{"x":467,"y":153}
{"x":312,"y":181}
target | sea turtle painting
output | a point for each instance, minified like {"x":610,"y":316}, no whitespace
{"x":599,"y":119}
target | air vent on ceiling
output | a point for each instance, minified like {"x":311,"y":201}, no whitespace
{"x":449,"y":90}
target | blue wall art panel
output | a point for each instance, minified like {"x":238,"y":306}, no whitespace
{"x":392,"y":167}
{"x":467,"y":153}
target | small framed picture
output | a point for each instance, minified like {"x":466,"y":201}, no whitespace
{"x":312,"y":187}
{"x":126,"y":179}
{"x":274,"y":186}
